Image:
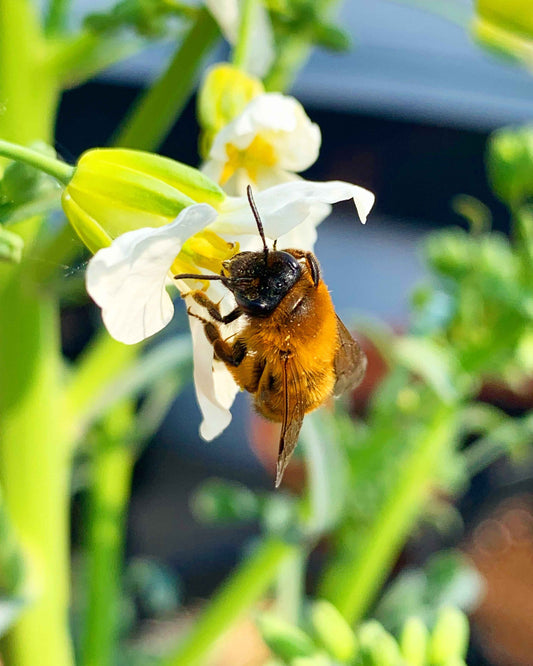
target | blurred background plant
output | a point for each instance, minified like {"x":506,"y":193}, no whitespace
{"x":323,"y":575}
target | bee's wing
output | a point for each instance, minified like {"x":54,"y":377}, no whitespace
{"x":350,"y":361}
{"x":293,"y":416}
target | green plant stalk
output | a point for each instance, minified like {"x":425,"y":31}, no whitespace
{"x":244,"y":45}
{"x":294,"y":51}
{"x":35,"y":467}
{"x":290,"y":586}
{"x":56,"y":16}
{"x":153,"y":115}
{"x":236,"y":595}
{"x":112,"y":465}
{"x":60,"y":170}
{"x":102,"y":360}
{"x":28,"y":89}
{"x":351,"y":583}
{"x":34,"y":458}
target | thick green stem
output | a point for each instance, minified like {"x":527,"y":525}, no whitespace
{"x":28,"y":90}
{"x":154,"y":114}
{"x":112,"y":464}
{"x":233,"y":599}
{"x":34,"y":457}
{"x":351,"y":582}
{"x":56,"y":168}
{"x":34,"y":467}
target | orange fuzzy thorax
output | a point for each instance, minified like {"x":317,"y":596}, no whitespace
{"x":307,"y":334}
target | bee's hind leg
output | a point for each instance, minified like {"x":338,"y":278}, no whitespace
{"x":230,"y":354}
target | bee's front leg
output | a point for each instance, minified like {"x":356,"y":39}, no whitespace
{"x":213,"y":309}
{"x":230,"y":354}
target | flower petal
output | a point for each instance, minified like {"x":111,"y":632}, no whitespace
{"x":127,"y":279}
{"x":215,"y":387}
{"x":282,"y":122}
{"x":285,"y":206}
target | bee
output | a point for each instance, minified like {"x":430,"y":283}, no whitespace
{"x":293,"y":352}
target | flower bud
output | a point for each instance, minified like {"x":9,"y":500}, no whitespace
{"x":377,"y":646}
{"x":224,"y":502}
{"x":114,"y":190}
{"x":506,"y":27}
{"x":510,"y":163}
{"x":449,"y":638}
{"x":413,"y":642}
{"x":225,"y":92}
{"x":284,"y":639}
{"x":333,"y":632}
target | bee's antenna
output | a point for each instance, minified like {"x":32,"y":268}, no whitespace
{"x":257,"y":218}
{"x":195,"y":276}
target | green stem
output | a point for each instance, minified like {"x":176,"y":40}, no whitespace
{"x":352,"y":582}
{"x":75,"y":59}
{"x":294,"y":50}
{"x":56,"y":168}
{"x":232,"y":600}
{"x":35,"y":467}
{"x":290,"y":586}
{"x":154,"y":114}
{"x":56,"y":17}
{"x":100,"y":362}
{"x":112,"y":465}
{"x":29,"y":92}
{"x":244,"y":44}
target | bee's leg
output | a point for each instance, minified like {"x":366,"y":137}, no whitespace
{"x":230,"y":354}
{"x":314,"y":267}
{"x":213,"y":309}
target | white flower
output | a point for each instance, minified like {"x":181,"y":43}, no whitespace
{"x":128,"y":279}
{"x":227,"y":14}
{"x":271,"y":140}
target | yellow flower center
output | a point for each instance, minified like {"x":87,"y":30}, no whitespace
{"x":259,"y":154}
{"x":205,"y":250}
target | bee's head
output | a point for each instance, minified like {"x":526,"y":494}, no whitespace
{"x":260,"y":281}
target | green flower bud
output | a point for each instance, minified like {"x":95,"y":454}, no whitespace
{"x":11,"y":246}
{"x":225,"y":92}
{"x":506,"y":27}
{"x":333,"y":632}
{"x":377,"y":646}
{"x":414,"y":641}
{"x":450,"y":252}
{"x":114,"y":190}
{"x":284,"y":639}
{"x":449,"y":638}
{"x":510,"y":163}
{"x":222,"y":501}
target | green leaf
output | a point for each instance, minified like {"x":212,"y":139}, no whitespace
{"x":413,"y":641}
{"x":285,"y":640}
{"x":332,"y":631}
{"x":327,"y":471}
{"x":377,"y":646}
{"x":447,"y":580}
{"x":449,"y":638}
